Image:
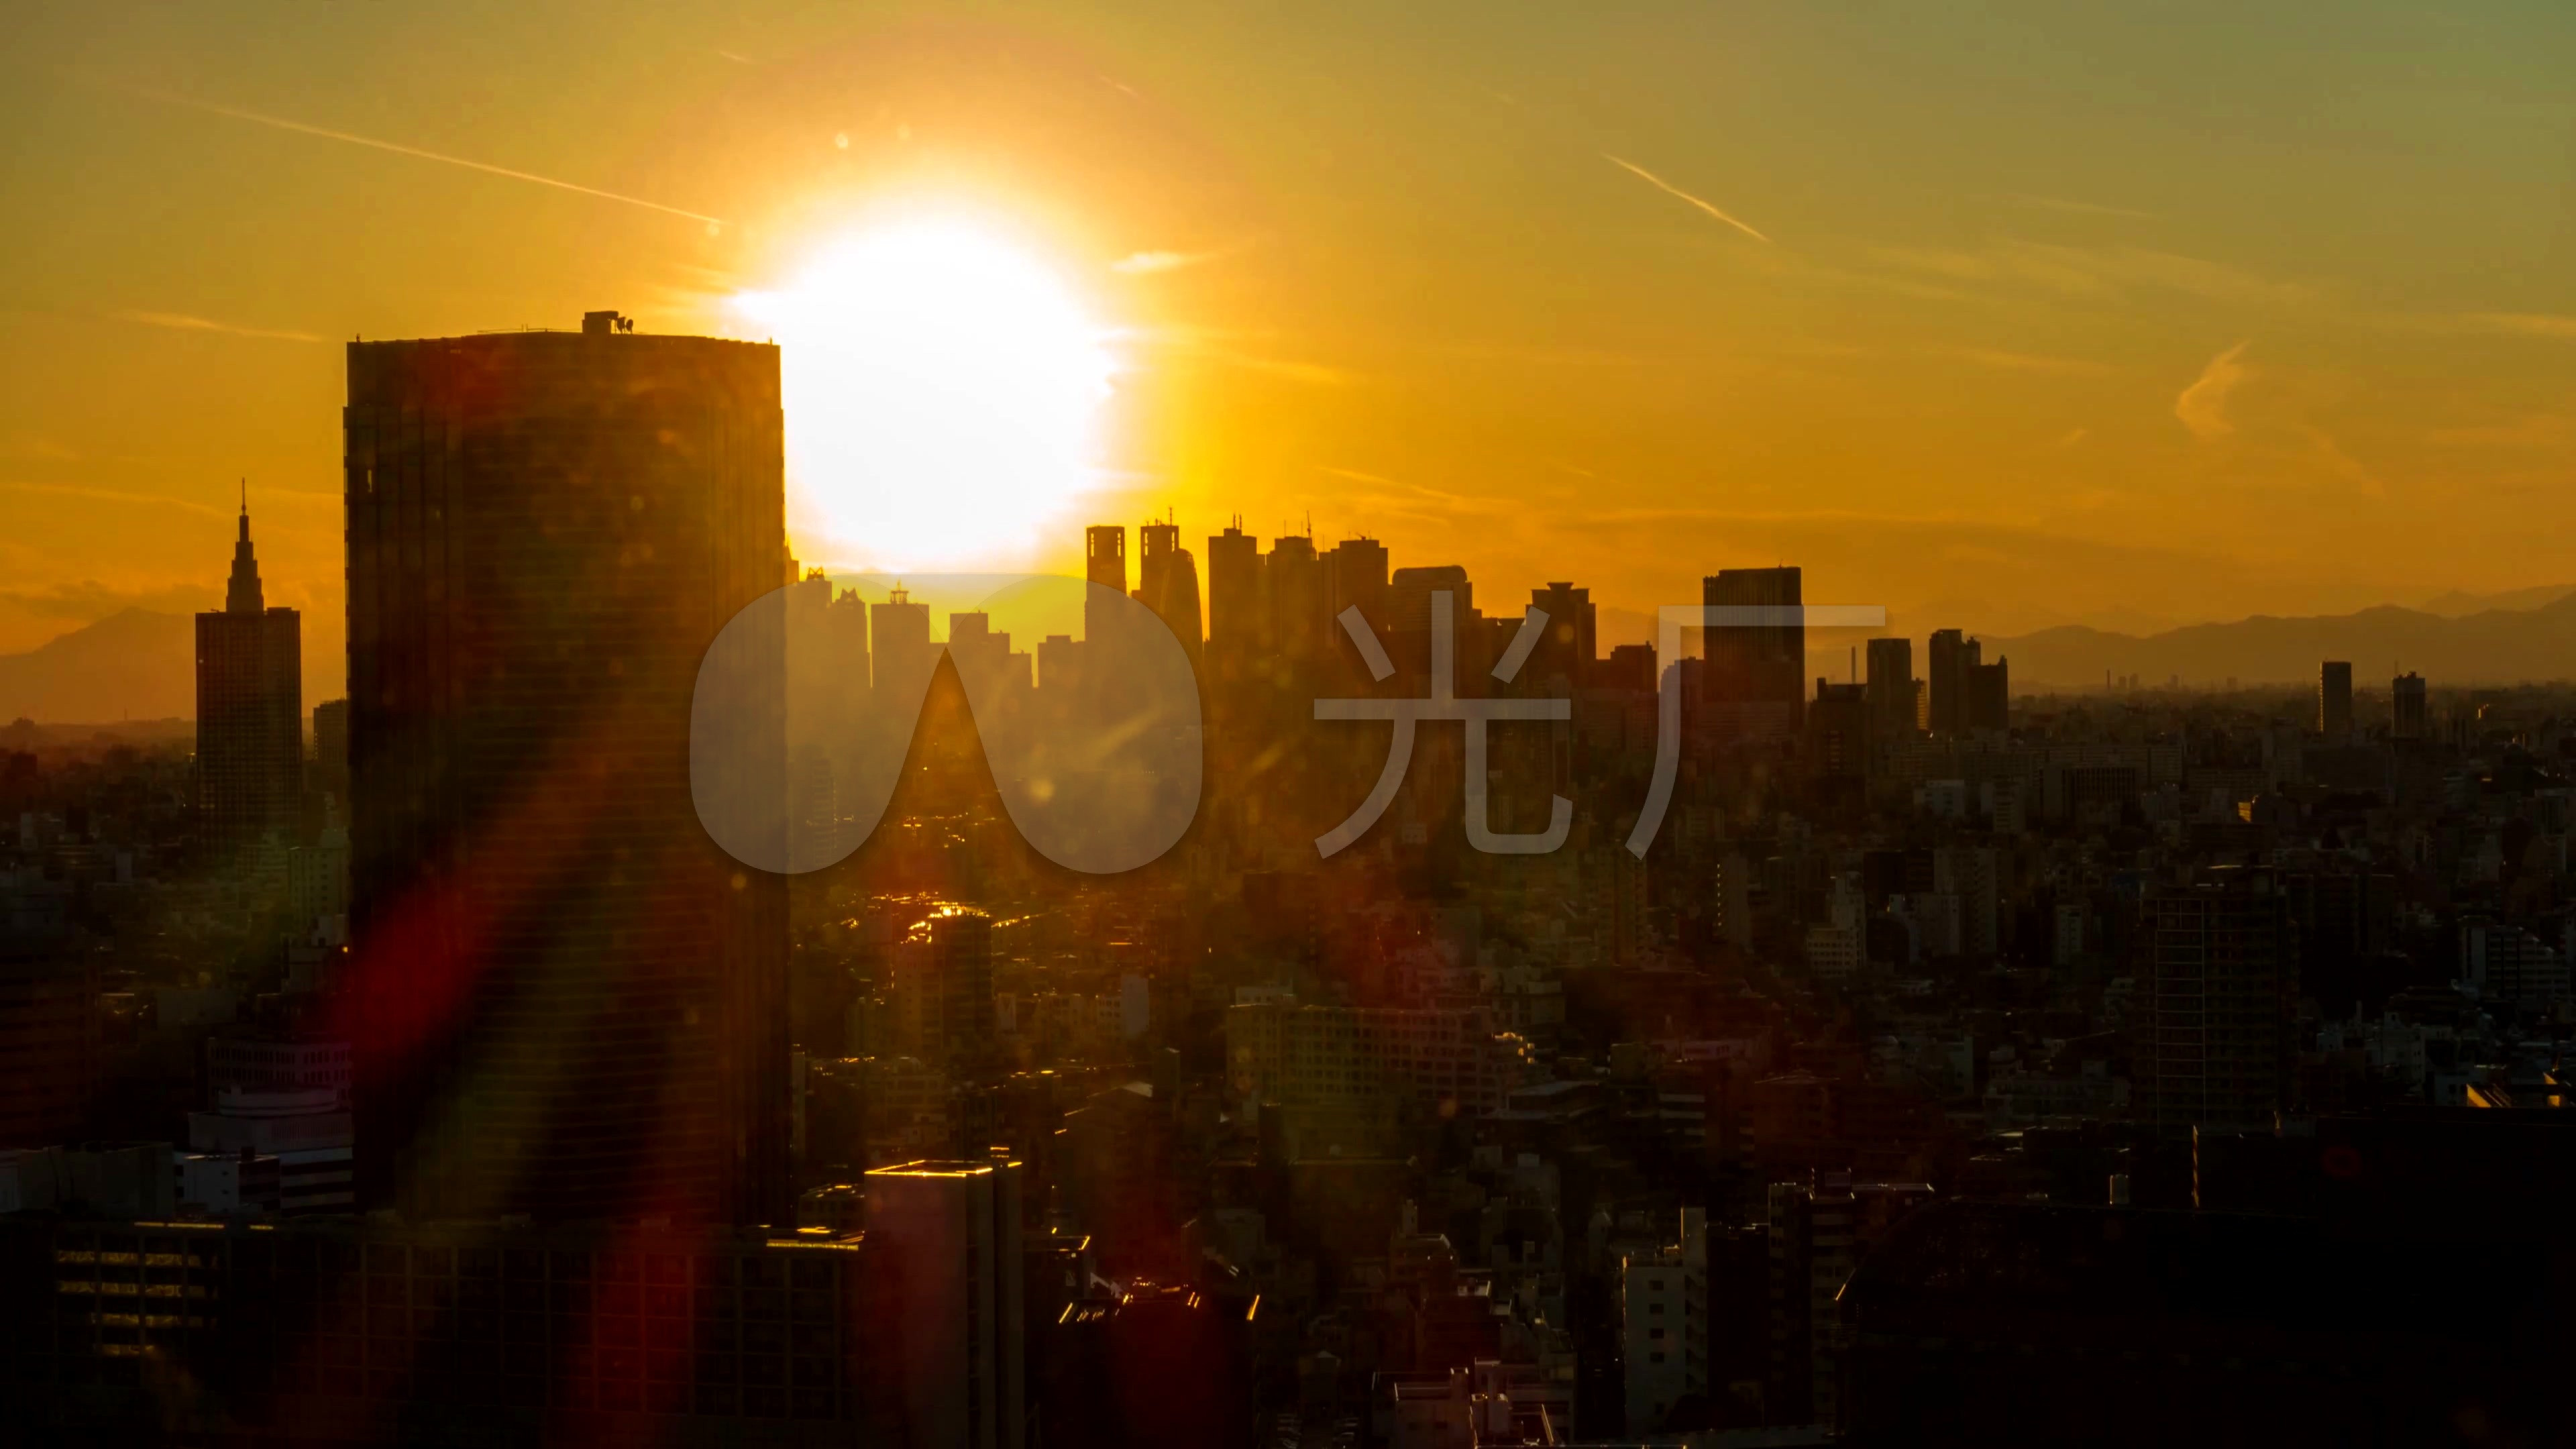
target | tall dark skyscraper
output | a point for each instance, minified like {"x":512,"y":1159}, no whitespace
{"x":1891,"y":688}
{"x":1104,"y":563}
{"x":1299,"y":599}
{"x":1167,"y":582}
{"x":1355,"y":576}
{"x":1762,"y":665}
{"x":1569,"y":647}
{"x":1952,"y":655}
{"x":2334,"y":700}
{"x":2410,"y":717}
{"x":904,"y":655}
{"x":1989,"y":696}
{"x":250,"y":712}
{"x":568,"y":1001}
{"x":1234,"y":590}
{"x":2220,"y":1003}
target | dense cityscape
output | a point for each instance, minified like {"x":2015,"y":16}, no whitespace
{"x":1798,"y":1037}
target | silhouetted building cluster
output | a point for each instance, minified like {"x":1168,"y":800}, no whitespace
{"x":1942,"y":1065}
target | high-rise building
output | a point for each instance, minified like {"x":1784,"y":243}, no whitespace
{"x":1950,"y":654}
{"x":1568,"y":649}
{"x":1819,"y":1231}
{"x":1104,"y":564}
{"x":1838,"y":730}
{"x":250,"y":712}
{"x":943,"y":988}
{"x":2409,"y":718}
{"x":1167,"y":582}
{"x":1234,"y":613}
{"x":2334,"y":700}
{"x":1891,"y":688}
{"x":903,"y":656}
{"x":1300,"y":611}
{"x":331,"y":750}
{"x":49,"y":1031}
{"x":1989,"y":703}
{"x":570,"y":1003}
{"x":1663,"y":1325}
{"x":946,"y":1307}
{"x":1766,"y":664}
{"x":1356,"y":575}
{"x":1971,"y":875}
{"x":2220,"y":1002}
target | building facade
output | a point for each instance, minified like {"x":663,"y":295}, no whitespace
{"x":570,"y":1002}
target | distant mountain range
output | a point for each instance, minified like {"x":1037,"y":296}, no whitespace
{"x":2493,"y":646}
{"x":136,"y":664}
{"x":141,"y":665}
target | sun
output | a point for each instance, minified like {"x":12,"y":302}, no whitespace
{"x":943,"y":391}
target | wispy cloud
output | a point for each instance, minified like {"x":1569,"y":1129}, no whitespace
{"x":1138,"y":264}
{"x":182,"y":322}
{"x":89,"y":599}
{"x":2202,"y":407}
{"x":2526,"y":324}
{"x":2343,"y":464}
{"x":2072,"y":271}
{"x":2026,"y":361}
{"x":1669,"y":189}
{"x":1234,"y":349}
{"x":111,"y":495}
{"x":396,"y":147}
{"x":736,"y":59}
{"x":2085,"y":208}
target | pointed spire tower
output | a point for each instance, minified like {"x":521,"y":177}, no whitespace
{"x":250,"y":713}
{"x":242,"y":595}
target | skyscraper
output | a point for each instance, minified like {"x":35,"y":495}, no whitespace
{"x":943,"y":987}
{"x":1355,"y":577}
{"x":2334,"y":700}
{"x":1838,"y":730}
{"x":1989,"y":701}
{"x":1891,"y":687}
{"x":1104,"y":563}
{"x":250,"y":712}
{"x":1568,"y":649}
{"x":2409,"y":719}
{"x":1167,"y":582}
{"x":1953,"y":654}
{"x":1301,"y":613}
{"x":904,"y":655}
{"x":946,"y":1301}
{"x":2221,"y":996}
{"x":1234,"y":590}
{"x":1766,"y":664}
{"x":569,"y":1002}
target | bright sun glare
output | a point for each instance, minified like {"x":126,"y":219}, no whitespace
{"x":943,"y":393}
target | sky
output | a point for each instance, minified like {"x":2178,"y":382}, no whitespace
{"x":2000,"y":314}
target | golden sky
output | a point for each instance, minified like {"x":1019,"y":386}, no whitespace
{"x":2001,"y":316}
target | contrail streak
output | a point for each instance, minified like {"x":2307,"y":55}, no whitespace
{"x":1669,"y":189}
{"x":281,"y":123}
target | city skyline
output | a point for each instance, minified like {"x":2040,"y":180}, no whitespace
{"x":1427,"y":727}
{"x":2002,"y":367}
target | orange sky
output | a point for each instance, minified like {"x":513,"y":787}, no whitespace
{"x":2000,"y":320}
